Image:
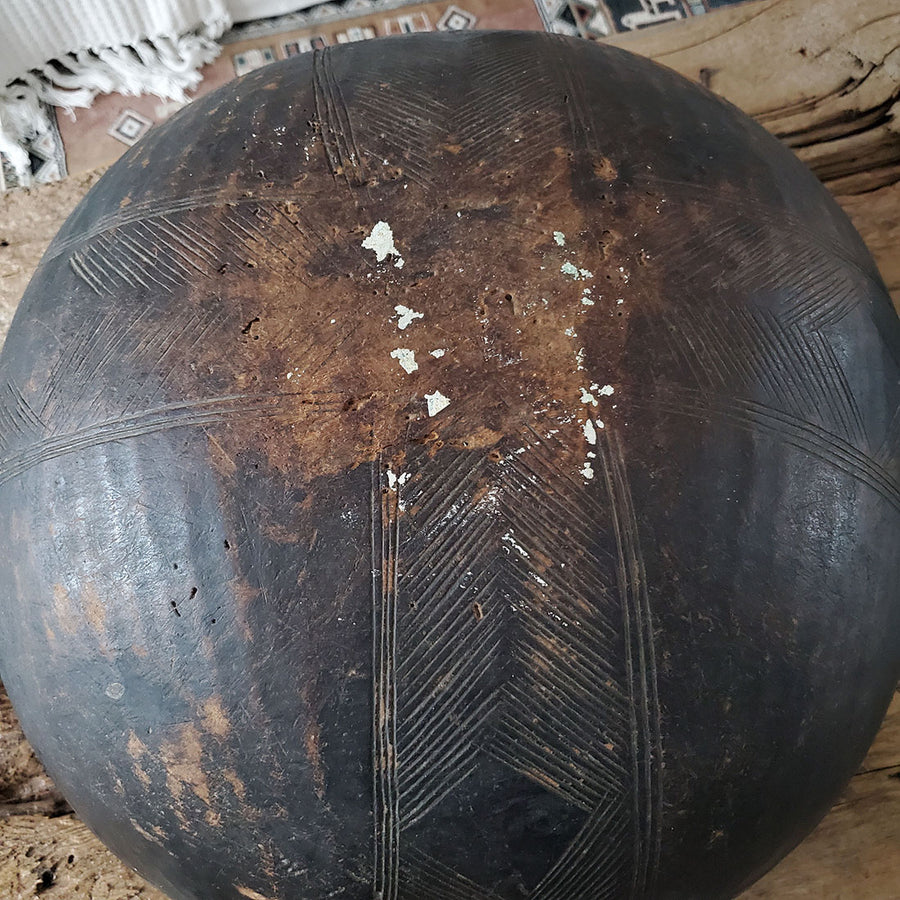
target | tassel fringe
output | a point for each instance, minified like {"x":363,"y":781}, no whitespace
{"x":166,"y":66}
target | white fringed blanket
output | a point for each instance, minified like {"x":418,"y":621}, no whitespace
{"x":65,"y":52}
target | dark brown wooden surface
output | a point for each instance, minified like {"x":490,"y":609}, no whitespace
{"x":821,"y":74}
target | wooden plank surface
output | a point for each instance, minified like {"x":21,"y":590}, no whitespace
{"x":823,"y":75}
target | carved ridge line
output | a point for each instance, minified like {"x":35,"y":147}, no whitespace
{"x":564,"y":879}
{"x":337,"y":139}
{"x":162,"y":418}
{"x":385,"y":527}
{"x":640,"y":660}
{"x":798,"y":433}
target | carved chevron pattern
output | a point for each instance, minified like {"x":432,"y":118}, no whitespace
{"x":174,"y":246}
{"x":763,"y":372}
{"x":511,"y":623}
{"x":503,"y":94}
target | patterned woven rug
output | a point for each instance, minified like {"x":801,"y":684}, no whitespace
{"x":100,"y":134}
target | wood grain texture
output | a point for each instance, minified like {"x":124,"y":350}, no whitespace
{"x":876,"y":215}
{"x":59,"y":858}
{"x":822,"y":75}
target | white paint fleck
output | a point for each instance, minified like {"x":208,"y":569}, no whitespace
{"x":436,"y":402}
{"x":395,"y":480}
{"x":570,"y":332}
{"x":509,"y":539}
{"x":398,"y":264}
{"x":620,"y":301}
{"x":115,"y":690}
{"x":591,"y":454}
{"x":406,"y":358}
{"x":587,"y":470}
{"x":560,"y":238}
{"x":437,"y":354}
{"x":587,"y":397}
{"x":599,"y":423}
{"x":289,"y":375}
{"x":607,"y":390}
{"x":586,"y":301}
{"x":590,"y":432}
{"x":333,"y":321}
{"x":574,"y":272}
{"x":381,"y":241}
{"x":579,"y":359}
{"x":538,"y":579}
{"x":406,"y":316}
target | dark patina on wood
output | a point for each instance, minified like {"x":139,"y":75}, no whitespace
{"x":457,"y":466}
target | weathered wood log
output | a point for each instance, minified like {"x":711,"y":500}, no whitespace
{"x":824,"y":77}
{"x":876,"y":215}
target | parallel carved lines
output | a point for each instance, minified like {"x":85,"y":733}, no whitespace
{"x":508,"y":104}
{"x":165,"y":252}
{"x":385,"y":540}
{"x":162,"y":418}
{"x":451,"y":653}
{"x":16,"y":415}
{"x":404,"y":130}
{"x":511,"y":620}
{"x":427,"y":877}
{"x":594,"y":865}
{"x":579,"y":118}
{"x":766,"y":233}
{"x":333,"y":117}
{"x":799,"y":433}
{"x":73,"y":394}
{"x":140,"y":211}
{"x":566,"y":715}
{"x":510,"y":96}
{"x":740,"y":351}
{"x":889,"y":449}
{"x":640,"y":658}
{"x":817,"y":280}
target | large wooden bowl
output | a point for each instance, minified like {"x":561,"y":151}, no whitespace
{"x":459,"y":466}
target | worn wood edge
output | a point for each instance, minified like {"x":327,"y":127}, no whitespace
{"x":821,"y":75}
{"x":876,"y":216}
